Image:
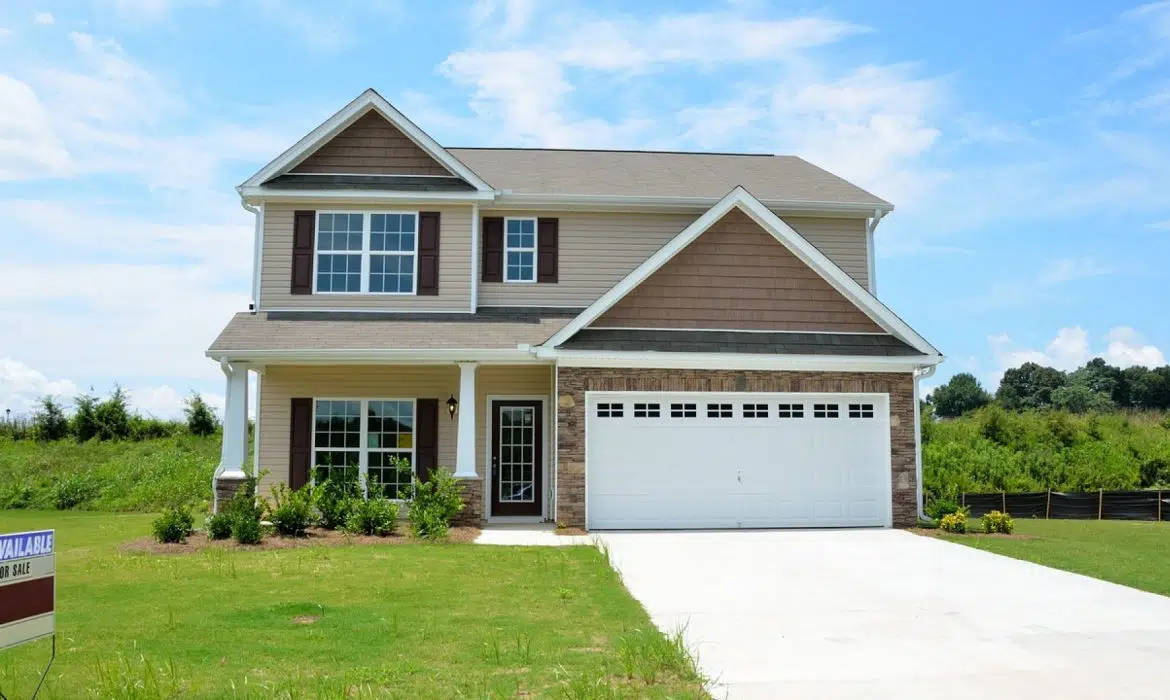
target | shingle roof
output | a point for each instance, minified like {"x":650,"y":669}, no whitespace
{"x":402,"y":183}
{"x":659,"y":174}
{"x":631,"y":340}
{"x":487,"y":330}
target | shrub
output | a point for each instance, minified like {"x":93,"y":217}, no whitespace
{"x":293,"y":511}
{"x":333,"y":498}
{"x":85,"y":425}
{"x":151,"y":428}
{"x":219,"y":526}
{"x":113,"y":416}
{"x":374,"y":516}
{"x":247,"y":529}
{"x":49,"y":422}
{"x":173,"y":525}
{"x":73,"y":490}
{"x":201,"y":419}
{"x":436,"y":503}
{"x":942,"y":506}
{"x":955,"y":523}
{"x":996,"y":521}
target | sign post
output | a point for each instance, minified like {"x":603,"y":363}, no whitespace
{"x":28,"y":592}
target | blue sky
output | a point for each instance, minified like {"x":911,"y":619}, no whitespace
{"x":1024,"y":145}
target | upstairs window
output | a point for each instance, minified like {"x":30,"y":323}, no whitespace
{"x":519,"y":250}
{"x":366,"y":253}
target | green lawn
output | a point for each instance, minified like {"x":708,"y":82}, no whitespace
{"x":409,"y":621}
{"x":1130,"y":553}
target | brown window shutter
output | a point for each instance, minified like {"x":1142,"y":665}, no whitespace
{"x":304,"y":234}
{"x":426,"y":437}
{"x":547,"y":235}
{"x":493,"y":249}
{"x":428,"y":253}
{"x":300,"y":450}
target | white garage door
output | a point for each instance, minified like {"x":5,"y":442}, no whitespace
{"x":706,"y":460}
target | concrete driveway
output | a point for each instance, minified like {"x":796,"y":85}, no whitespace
{"x":887,"y":614}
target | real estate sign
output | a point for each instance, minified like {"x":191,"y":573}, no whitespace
{"x":27,"y":587}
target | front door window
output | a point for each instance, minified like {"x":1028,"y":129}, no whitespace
{"x":517,"y":445}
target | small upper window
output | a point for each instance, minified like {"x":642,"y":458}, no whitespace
{"x":755,"y":410}
{"x":861,"y":410}
{"x":719,"y":410}
{"x":519,"y":250}
{"x":609,"y":410}
{"x":647,"y":410}
{"x":825,"y":410}
{"x":790,"y":410}
{"x":683,"y":410}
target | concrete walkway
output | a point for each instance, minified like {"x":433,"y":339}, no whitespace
{"x":886,"y":614}
{"x":535,"y":535}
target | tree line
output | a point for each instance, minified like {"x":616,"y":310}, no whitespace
{"x":1096,"y":387}
{"x":110,"y":418}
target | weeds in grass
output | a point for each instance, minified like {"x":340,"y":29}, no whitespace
{"x":647,"y":656}
{"x":492,"y":651}
{"x":524,"y":649}
{"x":585,"y":686}
{"x":139,"y":680}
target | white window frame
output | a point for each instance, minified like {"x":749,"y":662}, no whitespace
{"x":363,"y":449}
{"x":533,"y":249}
{"x":366,"y":253}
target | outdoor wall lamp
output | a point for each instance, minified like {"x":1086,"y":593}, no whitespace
{"x":452,"y":406}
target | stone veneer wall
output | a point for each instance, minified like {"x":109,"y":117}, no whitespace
{"x":472,"y":513}
{"x":573,"y":382}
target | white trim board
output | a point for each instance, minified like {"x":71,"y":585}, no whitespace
{"x":743,"y":200}
{"x":364,"y":103}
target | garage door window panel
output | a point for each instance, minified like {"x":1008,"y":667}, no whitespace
{"x":861,"y":410}
{"x":719,"y":410}
{"x":790,"y":410}
{"x":683,"y":410}
{"x":755,"y":410}
{"x":826,"y":410}
{"x":647,"y":410}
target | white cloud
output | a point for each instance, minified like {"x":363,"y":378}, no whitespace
{"x":22,"y":386}
{"x":1071,"y":269}
{"x":1071,"y":349}
{"x":29,"y":148}
{"x":44,"y":18}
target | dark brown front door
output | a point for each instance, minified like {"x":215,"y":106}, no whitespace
{"x":517,"y":446}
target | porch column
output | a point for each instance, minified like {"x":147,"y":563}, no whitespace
{"x":465,"y":441}
{"x":230,"y":475}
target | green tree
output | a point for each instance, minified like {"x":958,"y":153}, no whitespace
{"x":1029,"y":386}
{"x":201,"y":419}
{"x":1103,"y":378}
{"x":50,"y":422}
{"x":961,"y":394}
{"x":85,"y":425}
{"x":1078,"y":398}
{"x":1149,"y":389}
{"x":113,"y":416}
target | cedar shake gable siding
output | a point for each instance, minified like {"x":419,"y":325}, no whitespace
{"x":735,"y":276}
{"x":371,"y":146}
{"x":574,"y":382}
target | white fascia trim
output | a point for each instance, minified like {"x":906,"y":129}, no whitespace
{"x":312,"y":309}
{"x":702,"y":360}
{"x":509,"y":199}
{"x":731,"y":330}
{"x":378,"y":355}
{"x":258,"y":194}
{"x":782,"y":232}
{"x":363,"y":103}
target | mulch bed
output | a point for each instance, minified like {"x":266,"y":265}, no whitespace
{"x":571,"y":531}
{"x":198,"y":541}
{"x":934,"y":532}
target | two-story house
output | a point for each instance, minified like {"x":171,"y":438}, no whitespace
{"x":607,"y":339}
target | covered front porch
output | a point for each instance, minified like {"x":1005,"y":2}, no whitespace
{"x":493,"y":425}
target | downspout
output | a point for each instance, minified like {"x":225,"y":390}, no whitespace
{"x":871,"y":225}
{"x":919,"y":373}
{"x":257,"y":242}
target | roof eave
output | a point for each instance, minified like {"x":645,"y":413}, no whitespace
{"x":694,"y":360}
{"x":510,"y":198}
{"x":259,"y":194}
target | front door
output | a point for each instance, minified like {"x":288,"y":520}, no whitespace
{"x":517,"y":446}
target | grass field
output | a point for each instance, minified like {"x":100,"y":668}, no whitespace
{"x":401,"y":621}
{"x":1134,"y":554}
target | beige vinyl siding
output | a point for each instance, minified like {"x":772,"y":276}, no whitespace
{"x":371,"y":145}
{"x":841,"y":240}
{"x":598,"y":249}
{"x":282,"y":383}
{"x":736,"y":276}
{"x":454,"y":263}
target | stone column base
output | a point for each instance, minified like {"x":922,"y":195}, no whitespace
{"x":471,"y":490}
{"x":225,"y":489}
